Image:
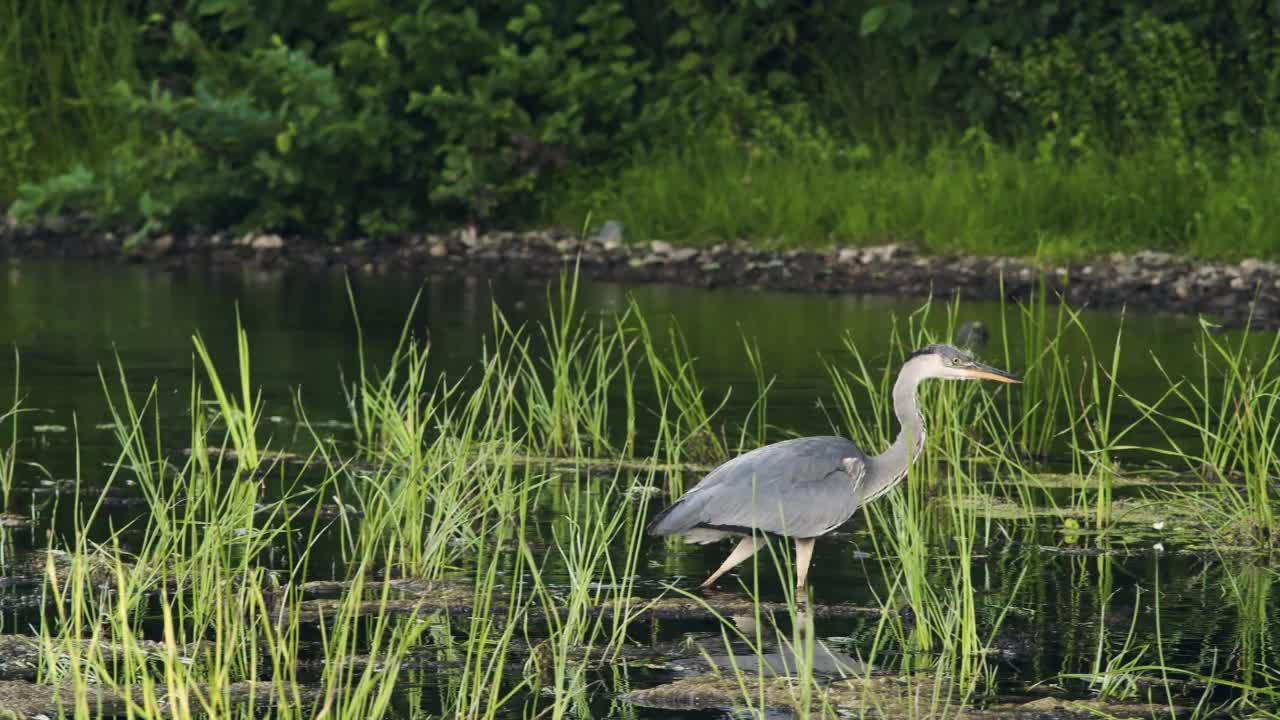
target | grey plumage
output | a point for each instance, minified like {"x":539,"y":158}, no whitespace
{"x":806,"y":487}
{"x":795,"y":488}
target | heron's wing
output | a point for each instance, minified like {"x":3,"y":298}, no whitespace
{"x":800,"y":488}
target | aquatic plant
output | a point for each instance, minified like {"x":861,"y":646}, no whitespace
{"x":483,"y":533}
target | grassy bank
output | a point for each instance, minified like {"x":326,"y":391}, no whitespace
{"x":1065,"y":130}
{"x":963,"y":195}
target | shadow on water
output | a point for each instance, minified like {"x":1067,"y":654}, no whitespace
{"x":1054,"y":607}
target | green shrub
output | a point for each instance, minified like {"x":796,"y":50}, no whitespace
{"x":372,"y":117}
{"x":1142,"y":79}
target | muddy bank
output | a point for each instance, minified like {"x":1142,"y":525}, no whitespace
{"x":1229,"y":293}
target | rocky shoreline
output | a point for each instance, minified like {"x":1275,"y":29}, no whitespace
{"x":1231,"y":294}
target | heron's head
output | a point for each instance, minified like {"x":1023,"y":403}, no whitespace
{"x":952,"y":363}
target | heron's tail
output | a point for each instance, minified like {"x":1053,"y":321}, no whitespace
{"x":680,"y":517}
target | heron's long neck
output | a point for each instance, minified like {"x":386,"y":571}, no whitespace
{"x":891,"y":465}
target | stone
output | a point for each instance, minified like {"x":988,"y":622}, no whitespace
{"x":161,"y":245}
{"x":1249,"y":265}
{"x":610,"y":236}
{"x":439,"y":250}
{"x":1152,"y":258}
{"x":660,"y":247}
{"x":883,"y":253}
{"x":266,"y":242}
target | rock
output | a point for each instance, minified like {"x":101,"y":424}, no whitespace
{"x":684,"y":255}
{"x":1249,"y":265}
{"x":660,"y":247}
{"x":56,"y":224}
{"x":161,"y":245}
{"x":891,"y":697}
{"x":1051,"y":707}
{"x":265,"y":242}
{"x":610,"y":236}
{"x":439,"y":250}
{"x":849,"y":256}
{"x":883,"y":253}
{"x":972,"y":335}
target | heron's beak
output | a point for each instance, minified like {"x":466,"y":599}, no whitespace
{"x":978,"y":371}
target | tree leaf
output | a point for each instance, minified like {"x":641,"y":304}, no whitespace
{"x":872,"y":20}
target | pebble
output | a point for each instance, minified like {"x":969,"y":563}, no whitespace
{"x":1146,"y":280}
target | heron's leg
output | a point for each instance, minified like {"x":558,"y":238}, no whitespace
{"x":804,"y":553}
{"x":745,"y":549}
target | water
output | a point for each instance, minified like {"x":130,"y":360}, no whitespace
{"x":69,"y":322}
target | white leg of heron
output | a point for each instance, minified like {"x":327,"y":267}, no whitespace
{"x":745,"y":549}
{"x":804,"y":553}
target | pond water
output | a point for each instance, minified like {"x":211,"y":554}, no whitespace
{"x":69,"y":322}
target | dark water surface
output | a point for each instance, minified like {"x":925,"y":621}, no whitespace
{"x":69,"y":320}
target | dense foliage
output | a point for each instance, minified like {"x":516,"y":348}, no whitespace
{"x":368,"y":117}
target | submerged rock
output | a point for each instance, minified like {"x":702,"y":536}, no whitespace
{"x":882,"y":696}
{"x":31,"y":700}
{"x":19,"y":659}
{"x":34,"y":568}
{"x":783,"y":662}
{"x":887,"y":696}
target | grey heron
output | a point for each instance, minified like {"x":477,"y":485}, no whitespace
{"x":807,"y":487}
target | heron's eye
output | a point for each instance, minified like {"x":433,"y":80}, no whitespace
{"x":955,"y":361}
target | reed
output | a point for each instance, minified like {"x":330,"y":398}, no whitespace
{"x":523,"y":486}
{"x":9,"y":455}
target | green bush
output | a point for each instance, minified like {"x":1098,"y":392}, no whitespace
{"x":1145,"y":79}
{"x":371,"y":117}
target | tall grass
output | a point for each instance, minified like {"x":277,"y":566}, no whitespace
{"x":963,"y":194}
{"x":58,"y":62}
{"x":1231,"y":411}
{"x":9,"y":456}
